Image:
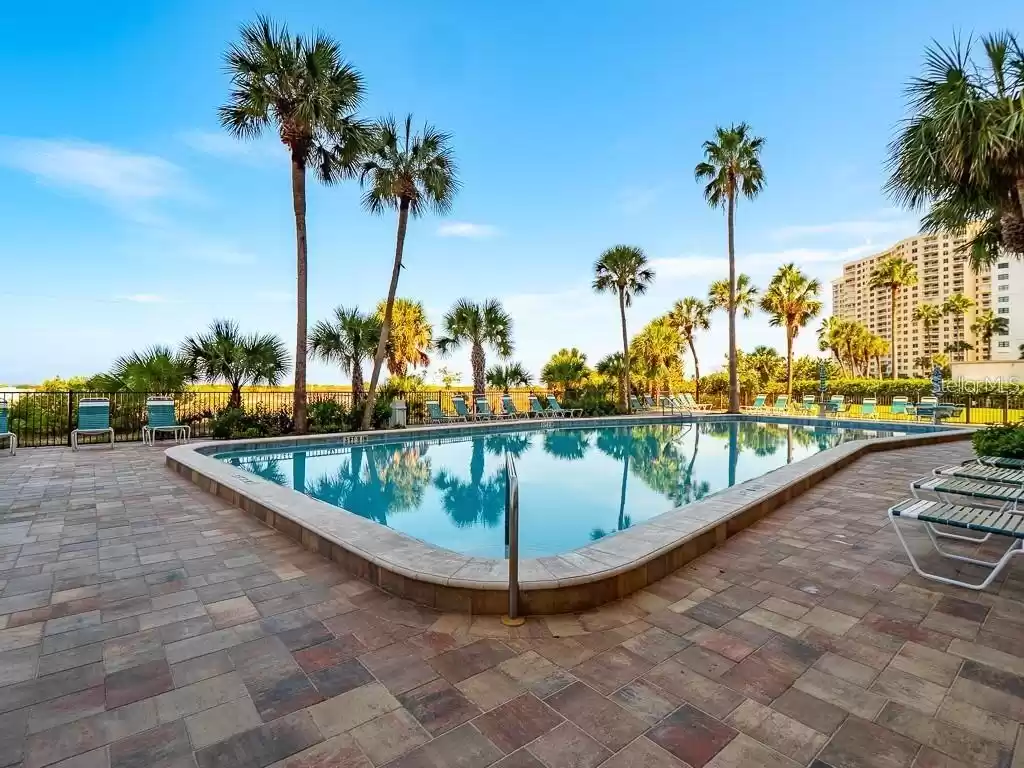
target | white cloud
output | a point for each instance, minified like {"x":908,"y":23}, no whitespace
{"x":145,"y":298}
{"x":221,"y":144}
{"x":115,"y":177}
{"x":682,"y":267}
{"x":466,"y":229}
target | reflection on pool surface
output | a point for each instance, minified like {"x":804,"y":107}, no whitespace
{"x":575,"y":485}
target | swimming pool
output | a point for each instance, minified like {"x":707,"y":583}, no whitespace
{"x":576,"y":485}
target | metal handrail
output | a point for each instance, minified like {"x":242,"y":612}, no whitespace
{"x":512,"y":538}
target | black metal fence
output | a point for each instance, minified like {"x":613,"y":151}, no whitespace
{"x":41,"y":418}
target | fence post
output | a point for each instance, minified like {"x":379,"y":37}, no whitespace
{"x":71,"y":414}
{"x":967,"y":412}
{"x":1006,"y":408}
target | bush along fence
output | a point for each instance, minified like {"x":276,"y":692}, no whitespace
{"x":44,"y":418}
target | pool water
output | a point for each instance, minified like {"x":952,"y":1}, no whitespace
{"x":575,"y":485}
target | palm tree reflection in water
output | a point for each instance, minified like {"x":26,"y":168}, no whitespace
{"x":481,"y":499}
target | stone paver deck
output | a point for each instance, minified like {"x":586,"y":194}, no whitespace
{"x":145,"y":624}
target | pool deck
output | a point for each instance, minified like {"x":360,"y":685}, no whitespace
{"x":146,"y":623}
{"x":604,"y":571}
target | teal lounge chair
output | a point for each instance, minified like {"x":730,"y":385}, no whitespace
{"x":781,"y":404}
{"x":483,"y":410}
{"x":436,"y":416}
{"x":649,"y":403}
{"x":510,"y":410}
{"x":758,"y":405}
{"x":4,"y":431}
{"x":634,"y":403}
{"x":160,"y":418}
{"x":1001,"y":462}
{"x":556,"y":408}
{"x":900,"y":407}
{"x":836,"y":404}
{"x":690,"y":404}
{"x":925,"y":409}
{"x":459,"y":404}
{"x":808,"y":405}
{"x":93,"y":419}
{"x":538,"y":410}
{"x":869,"y":408}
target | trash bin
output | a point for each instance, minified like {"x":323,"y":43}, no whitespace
{"x":398,"y":413}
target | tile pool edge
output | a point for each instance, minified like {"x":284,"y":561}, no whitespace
{"x":583,"y":578}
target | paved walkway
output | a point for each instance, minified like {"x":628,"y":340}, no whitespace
{"x":144,"y":624}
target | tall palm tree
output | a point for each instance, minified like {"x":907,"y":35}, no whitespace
{"x":411,"y":173}
{"x":928,"y":315}
{"x":610,"y":365}
{"x":411,"y":337}
{"x":688,"y":316}
{"x":765,"y":362}
{"x":745,"y":293}
{"x":986,"y":325}
{"x":155,"y":369}
{"x":892,"y":274}
{"x":656,"y":352}
{"x":504,"y":377}
{"x":624,"y":271}
{"x":961,"y":153}
{"x":347,"y":341}
{"x":302,"y":89}
{"x":877,"y":348}
{"x":792,"y":301}
{"x":731,"y":167}
{"x":224,"y":353}
{"x":957,"y":305}
{"x":479,"y":325}
{"x":830,"y":338}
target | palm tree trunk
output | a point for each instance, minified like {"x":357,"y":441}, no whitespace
{"x":479,"y":364}
{"x":385,"y":326}
{"x":235,"y":400}
{"x":299,"y":204}
{"x":892,"y":330}
{"x":358,"y":386}
{"x":696,"y":372}
{"x":789,"y":360}
{"x":625,"y":354}
{"x":734,"y":382}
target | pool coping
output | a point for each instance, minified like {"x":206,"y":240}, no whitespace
{"x":605,"y":570}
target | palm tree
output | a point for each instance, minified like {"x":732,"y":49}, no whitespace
{"x":961,"y":153}
{"x":351,"y":338}
{"x":792,"y":301}
{"x":478,"y":500}
{"x":411,"y":337}
{"x":610,"y":365}
{"x":746,"y":295}
{"x":411,"y":174}
{"x":877,"y":348}
{"x":688,"y":316}
{"x":656,"y":352}
{"x":893,"y":273}
{"x":223,"y":353}
{"x":566,"y":369}
{"x":479,"y":325}
{"x":928,"y":315}
{"x":957,"y":305}
{"x":301,"y":89}
{"x":157,"y":369}
{"x":765,"y":362}
{"x":504,"y":377}
{"x":624,"y":271}
{"x":986,"y":325}
{"x":831,"y":338}
{"x":731,"y":167}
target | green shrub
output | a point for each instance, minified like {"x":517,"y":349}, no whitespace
{"x":237,"y":423}
{"x":328,"y":416}
{"x":1006,"y":441}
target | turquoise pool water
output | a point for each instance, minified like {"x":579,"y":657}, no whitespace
{"x":575,"y":485}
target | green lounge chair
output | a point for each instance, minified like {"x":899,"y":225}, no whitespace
{"x":160,"y":418}
{"x":649,"y":403}
{"x":925,"y":409}
{"x":554,"y":406}
{"x":93,"y":419}
{"x":781,"y":405}
{"x":635,"y":404}
{"x":1001,"y":461}
{"x":900,"y":407}
{"x":483,"y":410}
{"x":984,"y":520}
{"x":976,"y":470}
{"x":689,"y":403}
{"x":869,"y":408}
{"x":808,"y":404}
{"x":459,"y":404}
{"x":538,"y":410}
{"x":836,"y":404}
{"x":437,"y":416}
{"x":4,"y":431}
{"x":510,"y":410}
{"x":758,"y":405}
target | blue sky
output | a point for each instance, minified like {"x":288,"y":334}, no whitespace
{"x":127,"y":218}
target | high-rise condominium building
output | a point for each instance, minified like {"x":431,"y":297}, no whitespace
{"x":942,"y":270}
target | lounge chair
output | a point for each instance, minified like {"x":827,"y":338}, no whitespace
{"x":634,"y":404}
{"x":649,"y":403}
{"x":93,"y":419}
{"x":808,"y":404}
{"x":781,"y":405}
{"x":688,"y":403}
{"x":900,"y":407}
{"x":983,"y":520}
{"x":758,"y":405}
{"x":1004,"y":493}
{"x":836,"y":404}
{"x":538,"y":410}
{"x":1001,"y":461}
{"x":459,"y":404}
{"x":508,"y":407}
{"x":436,"y":416}
{"x":924,"y":409}
{"x":4,"y":431}
{"x":975,"y":470}
{"x":160,"y":418}
{"x":869,"y":408}
{"x":483,"y":410}
{"x":556,"y":408}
